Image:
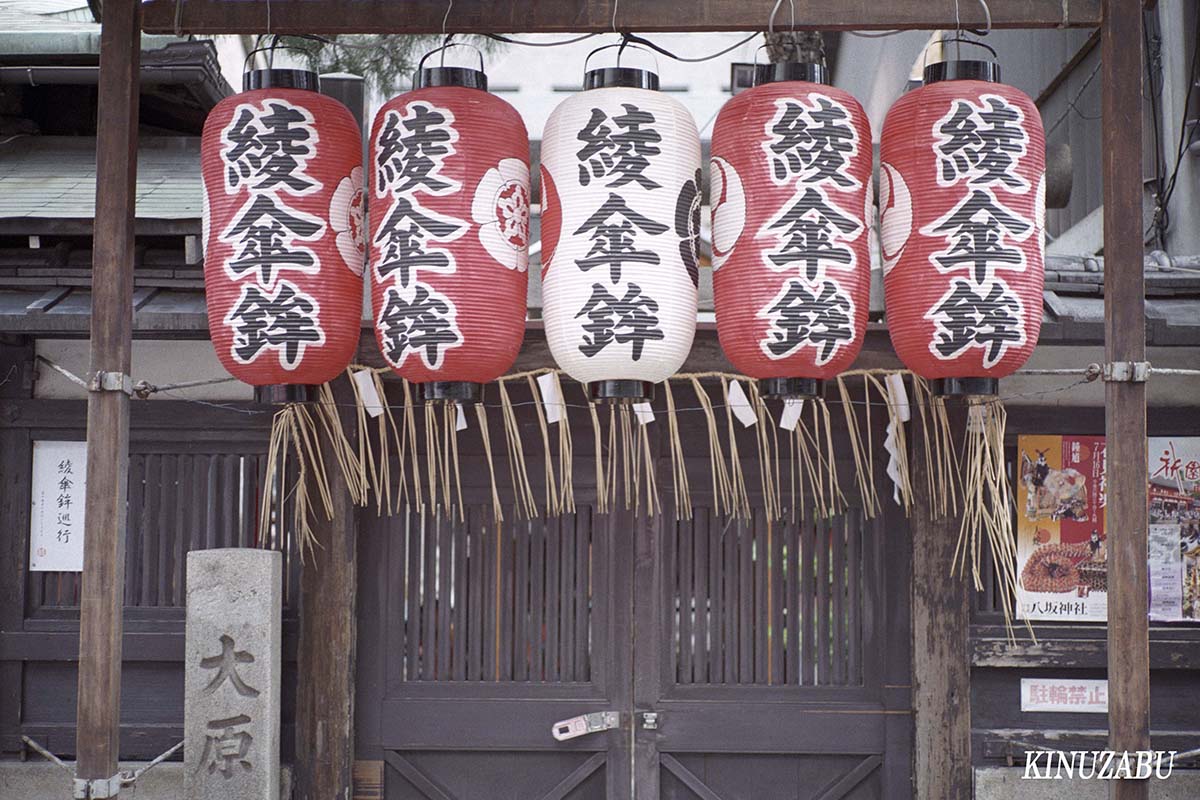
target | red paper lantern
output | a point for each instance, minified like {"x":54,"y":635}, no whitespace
{"x":962,"y":216}
{"x":283,"y":230}
{"x":791,"y":195}
{"x":449,"y":233}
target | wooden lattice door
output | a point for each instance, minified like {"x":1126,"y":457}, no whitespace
{"x":489,"y":633}
{"x":772,"y":659}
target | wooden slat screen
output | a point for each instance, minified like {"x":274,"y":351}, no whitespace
{"x":777,"y":604}
{"x":508,"y":602}
{"x":180,"y":502}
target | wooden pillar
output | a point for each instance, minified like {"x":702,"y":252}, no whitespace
{"x":100,"y":629}
{"x":1125,"y":401}
{"x":941,"y":665}
{"x":324,"y":759}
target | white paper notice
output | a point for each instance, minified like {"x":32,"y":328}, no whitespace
{"x":364,"y":379}
{"x":1166,"y":572}
{"x":460,"y":421}
{"x":551,"y":399}
{"x":898,"y":396}
{"x":1086,"y":696}
{"x":56,"y":521}
{"x":740,"y":404}
{"x":644,"y":412}
{"x":793,"y":407}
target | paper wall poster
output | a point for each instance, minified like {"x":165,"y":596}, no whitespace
{"x":1174,"y":542}
{"x":1062,"y":553}
{"x":56,"y":515}
{"x":1062,"y":558}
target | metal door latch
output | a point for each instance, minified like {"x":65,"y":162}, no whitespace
{"x":584,"y":724}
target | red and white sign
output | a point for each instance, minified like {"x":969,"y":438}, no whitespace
{"x":1062,"y":695}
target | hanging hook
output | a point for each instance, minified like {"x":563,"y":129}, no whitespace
{"x":987,"y":16}
{"x":775,"y":10}
{"x":445,"y":36}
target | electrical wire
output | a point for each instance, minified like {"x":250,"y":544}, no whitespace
{"x":524,"y":43}
{"x":1185,"y":136}
{"x":633,"y":38}
{"x":1071,"y":103}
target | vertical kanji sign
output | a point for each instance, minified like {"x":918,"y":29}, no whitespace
{"x":56,"y":518}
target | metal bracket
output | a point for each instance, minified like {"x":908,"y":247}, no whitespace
{"x":584,"y":724}
{"x":97,"y":788}
{"x":650,"y":720}
{"x":110,"y":382}
{"x":1127,"y":371}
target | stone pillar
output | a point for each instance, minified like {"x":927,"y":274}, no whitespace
{"x":231,"y":685}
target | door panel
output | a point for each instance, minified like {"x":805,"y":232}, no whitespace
{"x":768,"y":675}
{"x":775,"y":655}
{"x":495,"y":631}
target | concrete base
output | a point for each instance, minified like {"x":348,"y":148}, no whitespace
{"x":1005,"y":783}
{"x":39,"y":780}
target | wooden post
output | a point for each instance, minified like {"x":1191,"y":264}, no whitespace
{"x":941,"y":665}
{"x":324,"y":760}
{"x":100,"y":626}
{"x":1125,"y":401}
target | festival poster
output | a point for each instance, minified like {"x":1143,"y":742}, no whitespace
{"x":1174,"y":535}
{"x":1062,"y":558}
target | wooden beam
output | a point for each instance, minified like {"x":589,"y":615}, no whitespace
{"x":100,"y":628}
{"x":941,"y":661}
{"x":1125,"y":402}
{"x":485,"y":16}
{"x":326,"y":656}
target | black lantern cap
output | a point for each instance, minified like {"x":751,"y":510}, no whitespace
{"x":465,"y":77}
{"x":791,"y":387}
{"x":280,"y":79}
{"x":966,"y":387}
{"x":278,"y":394}
{"x":964,"y":70}
{"x":452,"y":392}
{"x":630,"y":77}
{"x":790,"y":71}
{"x":620,"y":391}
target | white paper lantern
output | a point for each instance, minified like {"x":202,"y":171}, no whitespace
{"x":620,"y":227}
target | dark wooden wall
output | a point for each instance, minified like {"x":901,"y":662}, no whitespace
{"x":194,"y":477}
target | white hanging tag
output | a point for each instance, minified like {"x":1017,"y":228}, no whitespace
{"x":364,"y":379}
{"x":740,"y":404}
{"x":551,"y":399}
{"x":793,"y":407}
{"x":460,"y":422}
{"x":644,"y":412}
{"x":898,"y":396}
